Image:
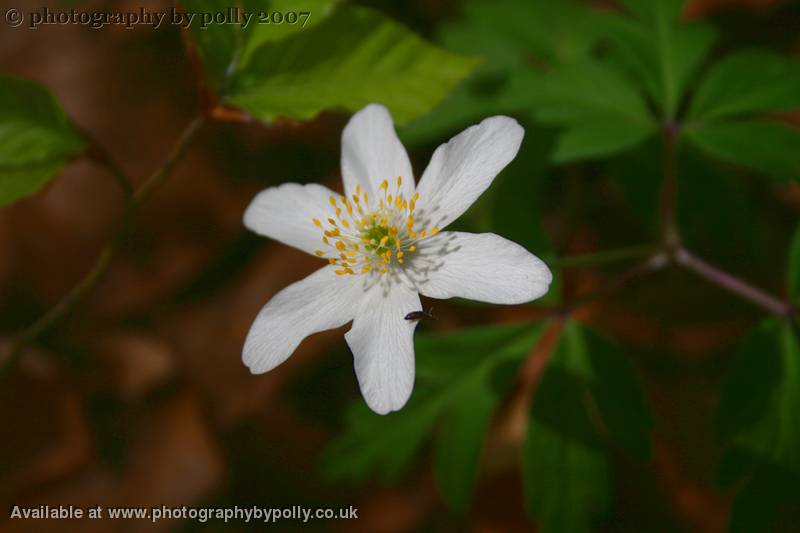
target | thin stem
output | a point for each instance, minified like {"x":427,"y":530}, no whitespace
{"x":734,"y":285}
{"x":90,"y":280}
{"x":649,"y":265}
{"x":99,"y":154}
{"x":669,"y":191}
{"x":607,"y":256}
{"x":178,"y":149}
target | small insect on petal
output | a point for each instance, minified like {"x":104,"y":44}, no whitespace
{"x":419,"y":315}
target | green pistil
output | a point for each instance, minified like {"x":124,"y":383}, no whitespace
{"x":375,"y":235}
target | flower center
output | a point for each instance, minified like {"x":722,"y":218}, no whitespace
{"x":365,"y":235}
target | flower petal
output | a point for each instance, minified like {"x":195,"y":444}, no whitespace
{"x":382,"y":343}
{"x":371,"y":153}
{"x":464,"y":167}
{"x":321,"y":301}
{"x":483,"y":267}
{"x":285,"y":213}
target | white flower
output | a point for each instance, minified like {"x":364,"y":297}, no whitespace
{"x":384,"y":247}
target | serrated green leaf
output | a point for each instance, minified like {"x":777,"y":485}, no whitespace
{"x":260,"y":32}
{"x":561,"y":96}
{"x":375,"y":60}
{"x":658,"y":51}
{"x":506,"y":34}
{"x":218,"y":45}
{"x":768,"y":503}
{"x":517,"y":195}
{"x":767,"y":147}
{"x":36,"y":138}
{"x":226,"y":48}
{"x":461,"y":377}
{"x":653,"y":11}
{"x":457,"y":452}
{"x":588,"y":395}
{"x":746,"y":82}
{"x":756,"y":422}
{"x":794,"y":267}
{"x":755,"y":414}
{"x":599,"y":138}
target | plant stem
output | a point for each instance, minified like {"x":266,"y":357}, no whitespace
{"x":90,"y":280}
{"x":733,"y":284}
{"x":649,"y":265}
{"x":670,"y":232}
{"x":608,"y":256}
{"x":99,"y":154}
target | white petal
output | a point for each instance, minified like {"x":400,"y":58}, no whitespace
{"x":483,"y":267}
{"x":321,"y":301}
{"x":383,"y":347}
{"x":371,"y":153}
{"x":464,"y":167}
{"x":285,"y":213}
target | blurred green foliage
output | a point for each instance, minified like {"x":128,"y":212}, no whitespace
{"x":588,"y":402}
{"x":757,"y":421}
{"x":36,"y":138}
{"x":794,"y":267}
{"x":461,"y":378}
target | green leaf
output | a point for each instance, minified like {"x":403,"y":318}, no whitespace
{"x":661,"y":53}
{"x":513,"y":37}
{"x":461,"y":377}
{"x":36,"y":138}
{"x":607,"y":119}
{"x":588,"y":396}
{"x":767,"y":503}
{"x":218,"y":45}
{"x":756,"y":421}
{"x":756,"y":411}
{"x":655,"y":11}
{"x":226,"y":48}
{"x":600,"y":138}
{"x":794,"y":267}
{"x":458,"y":447}
{"x":517,"y":195}
{"x":561,"y":97}
{"x":767,"y":147}
{"x":508,"y":32}
{"x":375,"y":60}
{"x":748,"y":81}
{"x":261,"y":31}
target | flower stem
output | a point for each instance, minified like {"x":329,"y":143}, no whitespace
{"x":651,"y":264}
{"x":670,"y":231}
{"x":607,"y":256}
{"x":98,"y":154}
{"x":734,"y":285}
{"x":90,"y":280}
